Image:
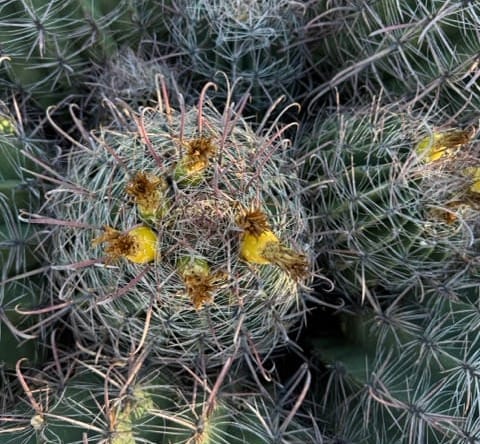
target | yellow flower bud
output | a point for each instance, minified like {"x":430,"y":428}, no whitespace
{"x":6,"y":126}
{"x":252,"y":247}
{"x":138,"y":245}
{"x":442,"y":144}
{"x":259,"y":245}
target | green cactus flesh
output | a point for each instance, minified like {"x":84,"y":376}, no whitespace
{"x":19,"y":336}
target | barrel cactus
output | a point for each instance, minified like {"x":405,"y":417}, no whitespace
{"x":422,"y":51}
{"x":406,"y":373}
{"x":391,"y":199}
{"x":181,"y":229}
{"x":258,"y":44}
{"x":133,"y":402}
{"x":100,"y":402}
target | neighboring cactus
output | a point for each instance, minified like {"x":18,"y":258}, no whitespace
{"x":126,"y":76}
{"x":19,"y":190}
{"x":222,"y":204}
{"x":50,"y":47}
{"x":257,"y":44}
{"x":241,"y":417}
{"x":131,"y":402}
{"x":99,"y":404}
{"x":18,"y":242}
{"x":423,"y":50}
{"x":406,"y":374}
{"x":387,"y":216}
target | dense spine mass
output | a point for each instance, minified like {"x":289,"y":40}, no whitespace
{"x":181,"y":229}
{"x":135,"y":402}
{"x":392,"y":201}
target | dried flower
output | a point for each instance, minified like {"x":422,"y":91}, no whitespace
{"x":197,"y":157}
{"x":442,"y":144}
{"x":148,"y":192}
{"x":199,"y":281}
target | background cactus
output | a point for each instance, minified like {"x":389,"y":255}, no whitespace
{"x":257,"y":44}
{"x":99,"y":402}
{"x":20,"y":289}
{"x":128,"y":76}
{"x":131,"y":402}
{"x":20,"y":189}
{"x":406,"y":373}
{"x":423,"y":52}
{"x":389,"y":218}
{"x":50,"y":47}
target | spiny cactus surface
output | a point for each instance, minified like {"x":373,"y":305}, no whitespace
{"x":403,"y":374}
{"x":182,"y":229}
{"x":256,"y":43}
{"x":392,"y":204}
